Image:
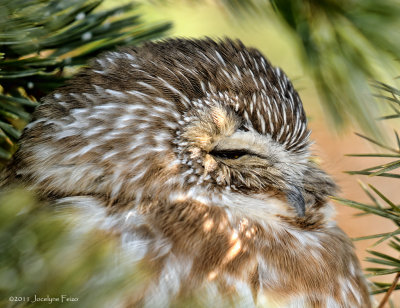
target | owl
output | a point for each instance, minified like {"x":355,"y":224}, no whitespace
{"x":196,"y":153}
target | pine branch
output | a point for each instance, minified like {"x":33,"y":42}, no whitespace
{"x":382,"y":206}
{"x":389,"y":292}
{"x":41,"y":42}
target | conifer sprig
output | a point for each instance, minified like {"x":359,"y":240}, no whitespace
{"x":381,"y":204}
{"x":42,"y":41}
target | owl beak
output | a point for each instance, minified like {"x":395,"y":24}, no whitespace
{"x":296,"y":199}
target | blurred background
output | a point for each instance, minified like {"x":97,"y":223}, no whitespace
{"x":333,"y":51}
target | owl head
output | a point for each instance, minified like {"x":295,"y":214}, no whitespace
{"x":247,"y":131}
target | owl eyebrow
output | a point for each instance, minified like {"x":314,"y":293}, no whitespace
{"x":234,"y":153}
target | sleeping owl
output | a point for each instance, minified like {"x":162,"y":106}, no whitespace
{"x":196,"y":153}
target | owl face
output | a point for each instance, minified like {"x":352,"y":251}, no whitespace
{"x":222,"y":147}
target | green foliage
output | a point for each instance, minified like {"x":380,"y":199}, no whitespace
{"x":42,"y":40}
{"x":380,"y":204}
{"x":47,"y":252}
{"x":344,"y":44}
